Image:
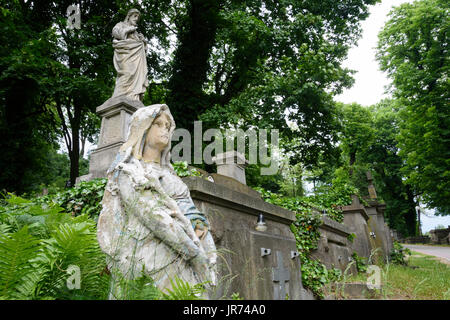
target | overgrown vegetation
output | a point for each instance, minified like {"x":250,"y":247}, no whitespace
{"x":315,"y":275}
{"x":38,"y":244}
{"x":415,"y":276}
{"x":42,"y":246}
{"x":399,"y":254}
{"x":84,"y":198}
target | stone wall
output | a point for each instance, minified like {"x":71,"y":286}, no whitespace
{"x":258,"y":265}
{"x":414,"y":240}
{"x":382,"y":237}
{"x":440,"y":236}
{"x":356,"y":219}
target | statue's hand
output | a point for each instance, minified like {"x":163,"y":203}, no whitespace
{"x":201,"y":231}
{"x":131,"y":29}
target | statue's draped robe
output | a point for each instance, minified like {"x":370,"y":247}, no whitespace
{"x":130,"y":63}
{"x":138,"y":233}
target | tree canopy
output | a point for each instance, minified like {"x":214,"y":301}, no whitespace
{"x":413,"y":49}
{"x":254,"y":62}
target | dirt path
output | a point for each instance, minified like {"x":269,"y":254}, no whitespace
{"x":443,"y":253}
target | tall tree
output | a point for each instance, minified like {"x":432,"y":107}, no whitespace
{"x":368,"y":142}
{"x":382,"y":155}
{"x":413,"y":49}
{"x":25,"y":119}
{"x":258,"y":62}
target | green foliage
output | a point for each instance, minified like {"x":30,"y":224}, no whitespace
{"x":248,"y":67}
{"x":399,"y":253}
{"x":39,"y":243}
{"x":412,"y":49}
{"x":182,"y":170}
{"x":369,"y":144}
{"x":236,"y":296}
{"x":141,"y":288}
{"x":315,"y":275}
{"x":84,"y":198}
{"x":351,"y":237}
{"x":361,"y":263}
{"x":182,"y":290}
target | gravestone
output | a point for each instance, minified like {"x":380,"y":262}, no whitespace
{"x":280,"y":276}
{"x":333,"y":248}
{"x":382,"y":235}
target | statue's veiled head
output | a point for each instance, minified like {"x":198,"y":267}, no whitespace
{"x":151,"y":126}
{"x":132,"y":17}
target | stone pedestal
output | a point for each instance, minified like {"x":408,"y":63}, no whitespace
{"x":356,"y":218}
{"x":115,"y":114}
{"x":231,"y":164}
{"x":257,"y":265}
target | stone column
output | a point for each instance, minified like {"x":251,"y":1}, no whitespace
{"x":115,"y":113}
{"x":231,"y":164}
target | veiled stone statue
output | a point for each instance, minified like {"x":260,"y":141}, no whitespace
{"x":149,"y":222}
{"x":130,"y":58}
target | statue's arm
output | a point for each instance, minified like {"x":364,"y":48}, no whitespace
{"x":120,"y":31}
{"x":161,"y":225}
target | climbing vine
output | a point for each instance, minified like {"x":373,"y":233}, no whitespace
{"x":315,"y":274}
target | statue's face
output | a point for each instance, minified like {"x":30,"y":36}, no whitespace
{"x":134,"y":19}
{"x":158,"y":135}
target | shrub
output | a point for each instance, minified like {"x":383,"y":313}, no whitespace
{"x":398,"y":254}
{"x":83,"y":198}
{"x":361,"y":263}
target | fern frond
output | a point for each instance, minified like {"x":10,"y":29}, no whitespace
{"x":17,"y":276}
{"x":183,"y":290}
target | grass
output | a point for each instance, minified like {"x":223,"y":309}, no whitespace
{"x":424,"y":278}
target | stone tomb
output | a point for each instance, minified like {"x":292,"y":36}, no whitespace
{"x":356,"y":218}
{"x":334,"y":248}
{"x":257,"y":265}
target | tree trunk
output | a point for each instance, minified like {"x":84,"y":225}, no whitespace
{"x":410,"y":217}
{"x":191,"y":63}
{"x":351,"y":162}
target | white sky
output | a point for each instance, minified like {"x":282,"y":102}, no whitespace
{"x":370,"y":82}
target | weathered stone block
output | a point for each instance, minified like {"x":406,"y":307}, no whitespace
{"x":334,"y":248}
{"x":355,"y":217}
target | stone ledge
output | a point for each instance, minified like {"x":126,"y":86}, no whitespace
{"x":361,"y":210}
{"x":113,"y":103}
{"x":335,"y":227}
{"x":218,"y":194}
{"x":108,"y":147}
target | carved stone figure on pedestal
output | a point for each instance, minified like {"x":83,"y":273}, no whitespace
{"x":149,"y":222}
{"x":130,"y":58}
